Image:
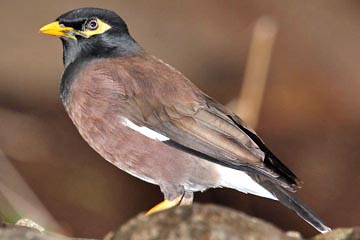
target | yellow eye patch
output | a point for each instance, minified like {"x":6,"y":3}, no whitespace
{"x":92,"y":27}
{"x":100,"y":28}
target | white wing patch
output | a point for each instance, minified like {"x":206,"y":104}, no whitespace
{"x":240,"y":181}
{"x":144,"y":131}
{"x":230,"y":178}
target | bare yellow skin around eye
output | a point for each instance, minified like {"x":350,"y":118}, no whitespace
{"x":56,"y":29}
{"x":102,"y":27}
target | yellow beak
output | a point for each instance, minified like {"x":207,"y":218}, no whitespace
{"x":55,"y":29}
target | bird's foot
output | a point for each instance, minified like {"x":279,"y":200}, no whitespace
{"x":187,"y":199}
{"x":166,"y":204}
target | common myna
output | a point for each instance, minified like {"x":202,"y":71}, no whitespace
{"x":148,"y":119}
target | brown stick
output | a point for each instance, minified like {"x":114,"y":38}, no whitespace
{"x":251,"y":94}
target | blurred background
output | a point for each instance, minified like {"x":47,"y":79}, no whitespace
{"x":310,"y":114}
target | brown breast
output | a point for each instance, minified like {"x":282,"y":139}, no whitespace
{"x":98,"y":104}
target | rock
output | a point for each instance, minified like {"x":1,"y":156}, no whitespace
{"x":197,"y":222}
{"x":23,"y":233}
{"x":16,"y":232}
{"x":340,"y":234}
{"x":202,"y":222}
{"x":29,"y":223}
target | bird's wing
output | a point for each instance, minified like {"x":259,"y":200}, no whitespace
{"x":214,"y":133}
{"x":166,"y":102}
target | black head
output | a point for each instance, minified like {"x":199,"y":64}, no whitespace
{"x":79,"y":18}
{"x":88,"y":33}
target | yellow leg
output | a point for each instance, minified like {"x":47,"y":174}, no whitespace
{"x":166,"y":204}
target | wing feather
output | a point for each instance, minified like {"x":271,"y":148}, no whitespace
{"x":165,"y":101}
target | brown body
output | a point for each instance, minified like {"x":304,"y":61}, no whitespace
{"x":108,"y":91}
{"x":97,"y":103}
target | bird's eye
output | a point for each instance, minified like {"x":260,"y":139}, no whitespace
{"x":92,"y":24}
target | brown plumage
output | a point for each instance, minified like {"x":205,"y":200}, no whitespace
{"x":148,"y":92}
{"x":148,"y":119}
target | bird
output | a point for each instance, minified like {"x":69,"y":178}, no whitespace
{"x":146,"y":118}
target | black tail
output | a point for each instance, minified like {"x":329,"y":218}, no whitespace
{"x":291,"y":201}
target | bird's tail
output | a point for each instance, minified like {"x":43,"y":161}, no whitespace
{"x":291,"y":201}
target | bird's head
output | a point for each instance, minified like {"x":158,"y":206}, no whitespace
{"x":91,"y":32}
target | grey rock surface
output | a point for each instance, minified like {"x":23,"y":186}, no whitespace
{"x":197,"y":222}
{"x":203,"y":222}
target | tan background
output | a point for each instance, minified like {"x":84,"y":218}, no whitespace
{"x":310,"y":116}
